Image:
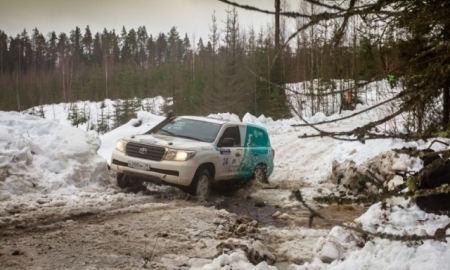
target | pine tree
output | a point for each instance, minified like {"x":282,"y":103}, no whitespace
{"x":87,"y":45}
{"x":40,"y":112}
{"x":212,"y":81}
{"x":118,"y":114}
{"x":73,"y":116}
{"x":3,"y":52}
{"x":142,"y":38}
{"x":103,"y":120}
{"x":52,"y":52}
{"x":232,"y":92}
{"x":161,"y":48}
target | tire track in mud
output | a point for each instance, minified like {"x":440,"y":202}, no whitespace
{"x":164,"y":234}
{"x":47,"y":216}
{"x":160,"y":225}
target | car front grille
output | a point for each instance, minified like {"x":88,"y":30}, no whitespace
{"x":151,"y":152}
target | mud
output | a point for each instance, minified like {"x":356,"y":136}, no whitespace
{"x":157,"y":228}
{"x":254,"y":209}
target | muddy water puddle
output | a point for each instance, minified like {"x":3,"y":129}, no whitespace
{"x":263,"y":213}
{"x":254,"y":209}
{"x":242,"y":204}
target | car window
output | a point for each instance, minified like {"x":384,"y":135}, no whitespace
{"x":191,"y":129}
{"x":232,"y":132}
{"x":260,"y":138}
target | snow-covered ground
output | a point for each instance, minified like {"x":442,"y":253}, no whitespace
{"x":50,"y":162}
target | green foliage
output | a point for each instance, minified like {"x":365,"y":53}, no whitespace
{"x":78,"y":115}
{"x":125,"y":110}
{"x":40,"y":111}
{"x":236,"y":71}
{"x":73,"y":114}
{"x":103,"y":120}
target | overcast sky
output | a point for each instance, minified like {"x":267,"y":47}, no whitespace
{"x":189,"y":16}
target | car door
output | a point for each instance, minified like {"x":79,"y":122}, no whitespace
{"x":230,"y":156}
{"x":256,"y":150}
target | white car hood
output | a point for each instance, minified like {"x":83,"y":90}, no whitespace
{"x":167,"y":141}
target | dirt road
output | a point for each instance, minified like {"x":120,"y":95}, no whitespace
{"x":162,"y":228}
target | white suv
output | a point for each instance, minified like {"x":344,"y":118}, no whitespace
{"x":194,"y":153}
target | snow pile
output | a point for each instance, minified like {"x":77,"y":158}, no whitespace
{"x":381,"y":168}
{"x":236,"y":261}
{"x":344,"y":249}
{"x":143,"y":123}
{"x":304,"y":96}
{"x":94,"y":111}
{"x":225,"y":116}
{"x":38,"y":155}
{"x":42,"y":156}
{"x":337,"y":244}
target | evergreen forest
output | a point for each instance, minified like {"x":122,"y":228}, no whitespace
{"x":234,"y":70}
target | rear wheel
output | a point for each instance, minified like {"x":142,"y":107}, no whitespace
{"x":260,"y":173}
{"x":201,"y":186}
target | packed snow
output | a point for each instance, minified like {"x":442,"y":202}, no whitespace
{"x":48,"y":159}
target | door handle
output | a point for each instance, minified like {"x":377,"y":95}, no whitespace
{"x":238,"y":154}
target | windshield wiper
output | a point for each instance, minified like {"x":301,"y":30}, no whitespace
{"x":168,"y":132}
{"x":181,"y":136}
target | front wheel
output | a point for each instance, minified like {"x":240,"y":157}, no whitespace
{"x":126,"y":181}
{"x":260,"y":174}
{"x":122,"y":181}
{"x":201,"y":187}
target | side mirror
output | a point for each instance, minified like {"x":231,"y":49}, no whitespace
{"x":226,"y":142}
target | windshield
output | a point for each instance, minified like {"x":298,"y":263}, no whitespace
{"x":191,"y":129}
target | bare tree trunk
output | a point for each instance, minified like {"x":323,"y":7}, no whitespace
{"x":63,"y":80}
{"x":69,"y":94}
{"x":268,"y":74}
{"x":1,"y":58}
{"x":446,"y":104}
{"x":193,"y":59}
{"x":17,"y":90}
{"x":106,"y":76}
{"x":311,"y":68}
{"x":277,"y":27}
{"x":17,"y":83}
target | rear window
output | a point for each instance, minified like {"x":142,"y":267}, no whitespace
{"x":260,"y":138}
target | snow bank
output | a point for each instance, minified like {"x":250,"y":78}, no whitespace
{"x":225,"y":116}
{"x":345,"y":249}
{"x":144,"y":122}
{"x":38,"y":155}
{"x":236,"y":261}
{"x":93,"y":110}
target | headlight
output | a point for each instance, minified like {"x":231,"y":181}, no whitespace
{"x":120,"y":145}
{"x":179,"y":155}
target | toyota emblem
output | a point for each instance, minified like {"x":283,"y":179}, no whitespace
{"x":142,"y":151}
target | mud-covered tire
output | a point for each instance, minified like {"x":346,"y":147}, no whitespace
{"x":201,"y":186}
{"x":260,"y":174}
{"x":122,"y":181}
{"x":132,"y":182}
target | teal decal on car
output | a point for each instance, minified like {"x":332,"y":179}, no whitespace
{"x":256,"y":146}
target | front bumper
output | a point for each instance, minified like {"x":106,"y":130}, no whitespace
{"x":169,"y":172}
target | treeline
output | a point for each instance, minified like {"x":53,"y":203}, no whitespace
{"x":229,"y":72}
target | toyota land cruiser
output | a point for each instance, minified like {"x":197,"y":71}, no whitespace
{"x":195,"y":153}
